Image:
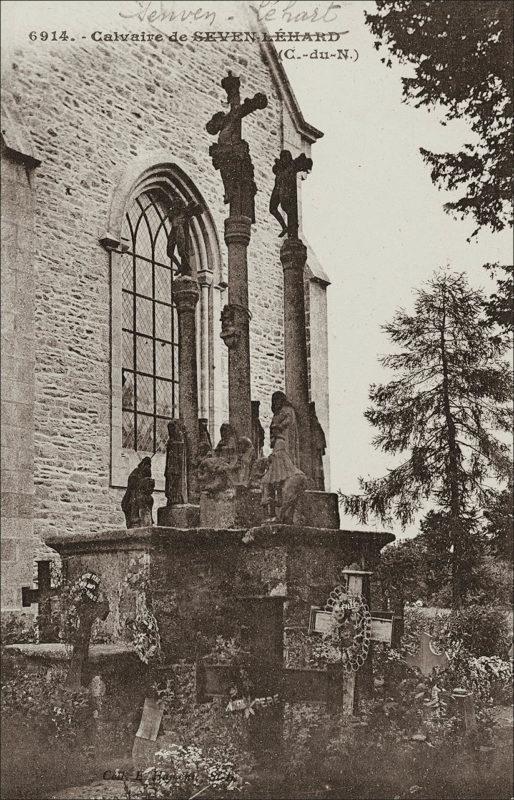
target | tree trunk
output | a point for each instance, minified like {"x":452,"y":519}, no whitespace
{"x":453,"y":475}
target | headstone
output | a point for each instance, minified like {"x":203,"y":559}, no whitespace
{"x":427,"y":658}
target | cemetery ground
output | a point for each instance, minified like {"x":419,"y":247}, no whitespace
{"x":410,"y":739}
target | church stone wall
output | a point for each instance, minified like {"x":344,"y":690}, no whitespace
{"x":91,"y":108}
{"x":17,"y":378}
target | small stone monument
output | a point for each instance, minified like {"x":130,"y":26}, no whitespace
{"x":137,"y":502}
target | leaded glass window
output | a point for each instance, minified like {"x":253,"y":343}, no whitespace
{"x":149,"y":326}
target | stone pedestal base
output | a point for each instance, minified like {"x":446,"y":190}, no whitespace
{"x":241,"y":507}
{"x":218,"y":511}
{"x":238,"y":507}
{"x":183,"y":516}
{"x":318,"y":509}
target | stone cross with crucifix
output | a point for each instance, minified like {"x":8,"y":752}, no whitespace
{"x":231,"y":156}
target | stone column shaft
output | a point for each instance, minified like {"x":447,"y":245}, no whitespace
{"x":185,"y":295}
{"x":205,"y":281}
{"x":293,"y":255}
{"x":237,"y":238}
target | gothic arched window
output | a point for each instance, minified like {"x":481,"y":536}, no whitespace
{"x":149,"y":326}
{"x":144,"y":323}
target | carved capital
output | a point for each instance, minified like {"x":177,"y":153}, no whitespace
{"x":238,"y":230}
{"x":185,"y":293}
{"x":234,"y":319}
{"x":205,"y":277}
{"x":293,"y":254}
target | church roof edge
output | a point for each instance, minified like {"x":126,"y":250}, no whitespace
{"x":307,"y":131}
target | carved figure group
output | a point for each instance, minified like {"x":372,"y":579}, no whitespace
{"x":228,"y":465}
{"x":231,"y":154}
{"x":137,"y":502}
{"x":179,"y":238}
{"x":285,"y":192}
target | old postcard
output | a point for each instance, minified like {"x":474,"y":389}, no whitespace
{"x":256,"y":399}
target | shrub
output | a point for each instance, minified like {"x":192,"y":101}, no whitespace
{"x":481,"y":629}
{"x":181,"y":771}
{"x":18,"y":628}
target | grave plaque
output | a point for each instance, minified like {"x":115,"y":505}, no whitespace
{"x":320,"y":621}
{"x":381,"y":626}
{"x":150,"y":721}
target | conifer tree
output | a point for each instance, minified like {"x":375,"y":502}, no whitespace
{"x":461,"y":54}
{"x":443,"y":412}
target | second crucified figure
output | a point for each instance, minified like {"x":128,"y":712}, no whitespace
{"x":285,"y":193}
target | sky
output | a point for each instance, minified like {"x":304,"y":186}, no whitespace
{"x":377,"y":224}
{"x":370,"y":210}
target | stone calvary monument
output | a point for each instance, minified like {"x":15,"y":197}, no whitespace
{"x":243,"y":535}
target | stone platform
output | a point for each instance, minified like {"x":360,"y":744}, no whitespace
{"x":195,"y":578}
{"x":241,"y":506}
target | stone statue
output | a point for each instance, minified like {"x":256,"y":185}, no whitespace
{"x":145,"y":501}
{"x":229,"y":465}
{"x":284,"y":428}
{"x":230,"y":332}
{"x":257,"y":430}
{"x":227,"y":447}
{"x":231,"y":154}
{"x":246,"y":457}
{"x":280,"y":497}
{"x":285,"y":191}
{"x":214,"y":474}
{"x":137,"y":502}
{"x":318,"y":449}
{"x":292,"y":489}
{"x":180,"y":216}
{"x":204,"y":437}
{"x":175,"y":472}
{"x":283,"y":482}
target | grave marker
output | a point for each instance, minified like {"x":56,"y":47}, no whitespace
{"x":427,"y":658}
{"x":43,"y":596}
